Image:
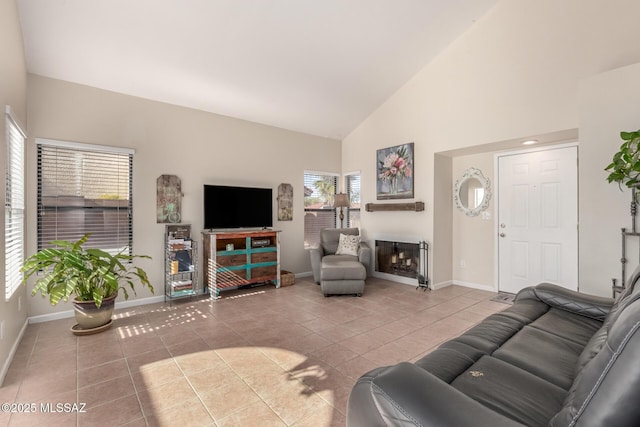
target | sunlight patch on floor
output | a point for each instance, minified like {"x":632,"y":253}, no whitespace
{"x":236,"y":379}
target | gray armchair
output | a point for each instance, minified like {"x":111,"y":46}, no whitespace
{"x":330,"y":269}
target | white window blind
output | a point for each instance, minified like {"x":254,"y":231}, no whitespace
{"x":319,"y":192}
{"x":85,"y":189}
{"x":14,"y":205}
{"x":352,"y":183}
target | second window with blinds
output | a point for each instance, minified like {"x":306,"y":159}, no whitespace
{"x":319,"y":193}
{"x":352,"y":187}
{"x":85,"y":188}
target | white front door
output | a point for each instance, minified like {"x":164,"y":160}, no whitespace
{"x":538,"y":219}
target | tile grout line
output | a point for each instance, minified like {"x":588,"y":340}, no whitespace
{"x":193,"y":388}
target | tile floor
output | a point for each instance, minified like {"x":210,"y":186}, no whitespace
{"x":263,"y":357}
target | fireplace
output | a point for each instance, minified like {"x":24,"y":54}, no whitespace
{"x":403,"y":259}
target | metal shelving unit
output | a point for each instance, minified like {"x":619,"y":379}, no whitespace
{"x":180,"y":263}
{"x":625,"y":234}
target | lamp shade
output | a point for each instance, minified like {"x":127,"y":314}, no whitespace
{"x":341,"y":201}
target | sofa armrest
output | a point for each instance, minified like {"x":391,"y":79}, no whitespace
{"x":565,"y":299}
{"x":364,"y":256}
{"x":407,"y":395}
{"x":316,"y":255}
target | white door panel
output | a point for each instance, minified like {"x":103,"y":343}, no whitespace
{"x":538,"y":217}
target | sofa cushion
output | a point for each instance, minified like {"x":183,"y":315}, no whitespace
{"x":567,"y":325}
{"x":526,"y":311}
{"x":447,"y":361}
{"x":557,"y":297}
{"x":532,"y":350}
{"x":511,"y":391}
{"x":490,"y":334}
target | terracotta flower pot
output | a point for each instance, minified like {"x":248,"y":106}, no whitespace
{"x":89,"y":316}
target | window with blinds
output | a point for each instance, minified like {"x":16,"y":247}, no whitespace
{"x":85,"y":189}
{"x":319,"y":213}
{"x":13,"y":206}
{"x":352,"y":184}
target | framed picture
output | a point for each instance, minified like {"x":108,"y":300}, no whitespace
{"x":394,"y":172}
{"x":285,"y":202}
{"x":168,"y":199}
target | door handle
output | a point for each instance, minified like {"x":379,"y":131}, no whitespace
{"x":502,"y":235}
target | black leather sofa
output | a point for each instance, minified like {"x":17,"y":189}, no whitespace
{"x":554,"y":358}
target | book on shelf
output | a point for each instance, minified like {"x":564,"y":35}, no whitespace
{"x":179,"y":244}
{"x":183,"y":257}
{"x":180,"y":285}
{"x":182,"y":231}
{"x":184,"y":292}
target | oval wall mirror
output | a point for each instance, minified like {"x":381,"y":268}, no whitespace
{"x":472,"y":192}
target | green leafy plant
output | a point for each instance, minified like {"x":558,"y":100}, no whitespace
{"x":625,"y":167}
{"x":90,"y":274}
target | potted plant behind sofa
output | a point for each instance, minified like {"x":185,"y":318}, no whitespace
{"x":92,"y":275}
{"x":625,"y":166}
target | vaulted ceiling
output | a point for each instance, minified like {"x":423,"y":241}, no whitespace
{"x":314,"y":66}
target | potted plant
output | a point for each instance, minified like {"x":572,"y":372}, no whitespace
{"x":93,"y":276}
{"x":625,"y":167}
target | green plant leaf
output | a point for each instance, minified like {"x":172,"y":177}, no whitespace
{"x":97,"y":295}
{"x":625,"y":165}
{"x":90,"y":274}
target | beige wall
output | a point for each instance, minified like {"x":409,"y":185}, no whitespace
{"x":609,"y":103}
{"x":473,"y":238}
{"x":13,"y":92}
{"x":200,"y":148}
{"x":443,"y":216}
{"x":516,"y":73}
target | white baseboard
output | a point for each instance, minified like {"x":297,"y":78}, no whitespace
{"x":142,"y":301}
{"x":391,"y":277}
{"x":69,"y":313}
{"x":14,"y":348}
{"x":414,"y":282}
{"x":49,"y":317}
{"x":441,"y":285}
{"x":305,"y":274}
{"x":472,"y":285}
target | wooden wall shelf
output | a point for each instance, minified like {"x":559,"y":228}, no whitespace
{"x":375,"y":207}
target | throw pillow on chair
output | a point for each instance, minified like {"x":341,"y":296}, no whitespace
{"x":348,"y":245}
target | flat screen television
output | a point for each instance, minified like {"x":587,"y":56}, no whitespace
{"x":237,"y":207}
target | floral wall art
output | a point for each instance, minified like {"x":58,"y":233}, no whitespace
{"x":395,"y":172}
